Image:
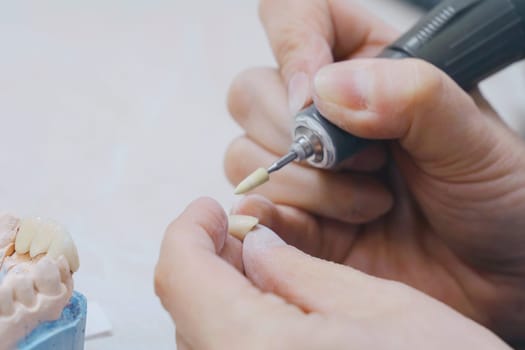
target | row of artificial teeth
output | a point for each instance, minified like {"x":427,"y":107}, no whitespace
{"x":37,"y":236}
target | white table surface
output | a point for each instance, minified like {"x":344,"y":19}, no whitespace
{"x":114,"y":119}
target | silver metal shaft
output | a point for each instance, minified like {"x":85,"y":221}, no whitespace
{"x":288,"y":158}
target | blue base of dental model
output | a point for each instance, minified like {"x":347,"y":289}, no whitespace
{"x":66,"y":333}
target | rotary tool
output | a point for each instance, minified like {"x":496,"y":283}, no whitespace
{"x":467,"y":39}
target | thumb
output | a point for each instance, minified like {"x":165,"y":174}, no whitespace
{"x":312,"y":284}
{"x":409,"y":100}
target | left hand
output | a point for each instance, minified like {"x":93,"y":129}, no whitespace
{"x":290,"y":300}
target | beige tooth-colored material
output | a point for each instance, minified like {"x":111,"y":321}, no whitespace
{"x":65,"y":272}
{"x":47,"y":277}
{"x":46,"y":307}
{"x":7,"y":305}
{"x":24,"y":292}
{"x":64,"y":245}
{"x":38,"y":236}
{"x":42,"y":239}
{"x":255,"y":179}
{"x":26,"y":233}
{"x":240,"y":225}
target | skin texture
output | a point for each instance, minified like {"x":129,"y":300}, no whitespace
{"x":287,"y":299}
{"x":438,"y":205}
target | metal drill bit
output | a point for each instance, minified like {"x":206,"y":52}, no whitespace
{"x":287,"y":159}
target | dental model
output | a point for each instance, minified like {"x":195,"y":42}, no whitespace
{"x":37,"y":260}
{"x":240,"y":225}
{"x":255,"y":179}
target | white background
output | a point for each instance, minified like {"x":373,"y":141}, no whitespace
{"x":113,"y":119}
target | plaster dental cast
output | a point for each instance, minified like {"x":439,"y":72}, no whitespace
{"x":37,"y":260}
{"x":416,"y":242}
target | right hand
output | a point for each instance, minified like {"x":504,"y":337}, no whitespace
{"x":449,"y":220}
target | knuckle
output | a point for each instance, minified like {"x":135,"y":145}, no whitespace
{"x":414,"y":88}
{"x":159,"y":282}
{"x":289,"y":49}
{"x":427,"y":83}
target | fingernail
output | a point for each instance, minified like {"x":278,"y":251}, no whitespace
{"x":262,"y":238}
{"x":298,"y":92}
{"x":235,"y":207}
{"x":344,"y":86}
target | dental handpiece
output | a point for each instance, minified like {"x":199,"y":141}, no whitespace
{"x":467,"y":39}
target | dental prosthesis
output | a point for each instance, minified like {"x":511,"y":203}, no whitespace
{"x":240,"y":225}
{"x":37,"y":260}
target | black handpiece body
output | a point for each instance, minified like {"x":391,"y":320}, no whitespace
{"x":467,"y":39}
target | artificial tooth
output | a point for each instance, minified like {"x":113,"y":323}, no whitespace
{"x":8,"y":226}
{"x":23,"y":290}
{"x":7,"y":306}
{"x":26,"y":232}
{"x":240,"y":225}
{"x":62,"y":244}
{"x":46,"y":277}
{"x":42,"y":239}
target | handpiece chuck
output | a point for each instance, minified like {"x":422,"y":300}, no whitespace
{"x":285,"y":160}
{"x":301,"y":149}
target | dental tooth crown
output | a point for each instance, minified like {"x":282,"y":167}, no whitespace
{"x":240,"y":225}
{"x":37,"y":236}
{"x":37,"y":260}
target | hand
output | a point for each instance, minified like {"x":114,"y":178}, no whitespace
{"x":449,"y":219}
{"x":289,"y":300}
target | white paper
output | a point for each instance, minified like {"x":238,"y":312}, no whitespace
{"x":97,"y":324}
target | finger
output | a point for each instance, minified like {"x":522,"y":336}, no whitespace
{"x":295,"y":226}
{"x":182,"y":344}
{"x":303,"y":35}
{"x":409,"y":100}
{"x":258,"y":104}
{"x":205,"y":296}
{"x":276,"y":267}
{"x":300,"y":34}
{"x":357,"y":32}
{"x":326,"y":239}
{"x":352,"y":198}
{"x":338,"y":292}
{"x":232,"y":253}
